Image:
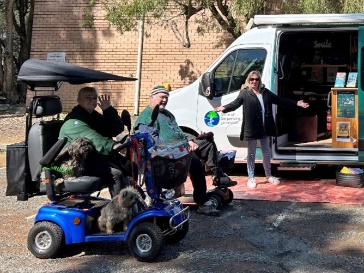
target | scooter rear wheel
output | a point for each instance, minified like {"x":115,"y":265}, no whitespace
{"x":146,"y":241}
{"x":45,"y":240}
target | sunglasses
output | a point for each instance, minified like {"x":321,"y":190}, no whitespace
{"x":254,"y":79}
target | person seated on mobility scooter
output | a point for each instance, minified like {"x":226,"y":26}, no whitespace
{"x":85,"y":218}
{"x":85,"y":122}
{"x":165,"y":131}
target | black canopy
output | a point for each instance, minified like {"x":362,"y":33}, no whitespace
{"x":40,"y":73}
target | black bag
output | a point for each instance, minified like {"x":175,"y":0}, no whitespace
{"x":15,"y":168}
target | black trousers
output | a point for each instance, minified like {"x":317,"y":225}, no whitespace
{"x":110,"y":174}
{"x":198,"y":180}
{"x":112,"y":170}
{"x":207,"y":151}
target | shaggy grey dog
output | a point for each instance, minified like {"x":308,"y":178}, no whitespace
{"x":72,"y":159}
{"x":119,"y":210}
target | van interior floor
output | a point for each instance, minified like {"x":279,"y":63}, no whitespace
{"x":323,"y":143}
{"x":299,"y":187}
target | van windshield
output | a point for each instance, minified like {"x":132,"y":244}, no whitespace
{"x":231,"y":74}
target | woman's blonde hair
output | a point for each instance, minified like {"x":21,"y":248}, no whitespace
{"x":88,"y":90}
{"x":251,"y":73}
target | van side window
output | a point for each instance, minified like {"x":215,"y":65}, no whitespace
{"x":233,"y":70}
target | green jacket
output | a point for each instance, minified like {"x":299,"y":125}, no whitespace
{"x":74,"y":128}
{"x":165,"y":127}
{"x":99,"y":128}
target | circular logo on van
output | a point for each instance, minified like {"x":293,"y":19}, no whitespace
{"x":212,"y":118}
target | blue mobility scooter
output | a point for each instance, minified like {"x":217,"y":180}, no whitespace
{"x":71,"y":215}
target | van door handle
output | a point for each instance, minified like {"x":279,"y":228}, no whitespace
{"x":329,"y":99}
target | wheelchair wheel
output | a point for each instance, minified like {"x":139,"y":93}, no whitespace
{"x":146,"y":241}
{"x":45,"y":240}
{"x":217,"y":198}
{"x":231,"y":197}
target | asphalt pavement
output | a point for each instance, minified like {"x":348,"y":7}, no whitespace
{"x":249,"y":236}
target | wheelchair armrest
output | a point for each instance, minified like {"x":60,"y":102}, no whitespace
{"x":49,"y":157}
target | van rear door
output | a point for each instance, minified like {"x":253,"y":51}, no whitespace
{"x":360,"y":93}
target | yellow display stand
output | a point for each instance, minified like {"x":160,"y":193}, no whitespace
{"x":344,"y":109}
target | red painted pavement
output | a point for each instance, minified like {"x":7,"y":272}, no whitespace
{"x":323,"y":190}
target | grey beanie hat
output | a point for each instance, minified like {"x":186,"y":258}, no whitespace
{"x":159,"y":89}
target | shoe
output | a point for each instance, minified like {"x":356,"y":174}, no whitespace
{"x":224,"y":181}
{"x":273,"y":180}
{"x":251,"y":183}
{"x":209,"y":208}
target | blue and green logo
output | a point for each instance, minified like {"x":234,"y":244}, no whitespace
{"x":212,"y":118}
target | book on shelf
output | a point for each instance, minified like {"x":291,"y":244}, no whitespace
{"x":340,"y":79}
{"x":352,"y":79}
{"x":316,"y":74}
{"x":331,"y":73}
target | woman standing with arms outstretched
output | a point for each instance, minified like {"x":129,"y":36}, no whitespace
{"x":258,"y":122}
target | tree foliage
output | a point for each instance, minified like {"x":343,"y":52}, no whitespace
{"x":176,"y":14}
{"x":227,"y":15}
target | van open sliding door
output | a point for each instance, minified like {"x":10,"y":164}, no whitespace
{"x":361,"y":92}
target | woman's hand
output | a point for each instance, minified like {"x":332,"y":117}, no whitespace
{"x":302,"y":104}
{"x":219,"y":109}
{"x":193,"y":145}
{"x":104,"y":102}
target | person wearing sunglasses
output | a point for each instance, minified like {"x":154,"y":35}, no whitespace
{"x":258,"y":122}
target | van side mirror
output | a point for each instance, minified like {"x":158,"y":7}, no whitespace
{"x":207,"y":86}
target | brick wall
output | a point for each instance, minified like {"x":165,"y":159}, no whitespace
{"x":57,"y":29}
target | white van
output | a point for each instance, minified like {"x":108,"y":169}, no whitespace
{"x":301,"y":56}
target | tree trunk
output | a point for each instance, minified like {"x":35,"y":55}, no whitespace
{"x":1,"y":70}
{"x":9,"y":87}
{"x":23,"y":27}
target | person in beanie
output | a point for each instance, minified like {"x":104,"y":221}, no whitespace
{"x":166,"y":130}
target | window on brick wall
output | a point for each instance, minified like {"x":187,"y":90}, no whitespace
{"x":233,"y":70}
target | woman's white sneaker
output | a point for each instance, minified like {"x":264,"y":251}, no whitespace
{"x":273,"y":180}
{"x":251,"y":183}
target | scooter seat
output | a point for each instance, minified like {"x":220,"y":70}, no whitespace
{"x":83,"y":185}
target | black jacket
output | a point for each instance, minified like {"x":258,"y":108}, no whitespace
{"x":108,"y":124}
{"x":252,"y":126}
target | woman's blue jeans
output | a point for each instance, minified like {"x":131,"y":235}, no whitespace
{"x":252,"y":148}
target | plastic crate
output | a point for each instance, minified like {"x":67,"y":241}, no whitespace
{"x":350,"y":180}
{"x":170,"y":173}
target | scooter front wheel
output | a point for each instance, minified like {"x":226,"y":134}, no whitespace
{"x":45,"y":240}
{"x":146,"y":241}
{"x":178,"y":235}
